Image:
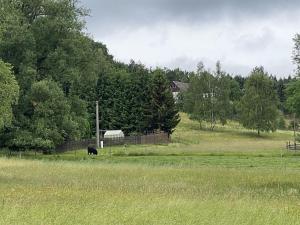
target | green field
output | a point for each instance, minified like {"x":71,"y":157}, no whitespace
{"x":228,"y":176}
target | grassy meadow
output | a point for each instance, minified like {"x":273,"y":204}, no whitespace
{"x":228,"y":176}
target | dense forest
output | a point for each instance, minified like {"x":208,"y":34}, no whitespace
{"x":52,"y":72}
{"x":57,"y":72}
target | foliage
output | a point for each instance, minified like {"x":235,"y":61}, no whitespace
{"x":61,"y":72}
{"x":53,"y":117}
{"x":291,"y":93}
{"x":177,"y":75}
{"x":165,"y":115}
{"x":259,"y":105}
{"x":24,"y":140}
{"x":281,"y":123}
{"x":129,"y":97}
{"x":293,"y":97}
{"x":208,"y":98}
{"x":9,"y":93}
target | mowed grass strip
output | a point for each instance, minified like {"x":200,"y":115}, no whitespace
{"x":45,"y":192}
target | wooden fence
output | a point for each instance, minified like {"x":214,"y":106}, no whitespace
{"x":156,"y":138}
{"x":292,"y":146}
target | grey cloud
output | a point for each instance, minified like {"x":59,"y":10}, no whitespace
{"x":255,"y":42}
{"x":109,"y":15}
{"x":180,"y":33}
{"x":190,"y":64}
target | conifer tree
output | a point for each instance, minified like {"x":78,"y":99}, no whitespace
{"x":165,"y":116}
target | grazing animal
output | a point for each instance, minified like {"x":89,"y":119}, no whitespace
{"x":92,"y":151}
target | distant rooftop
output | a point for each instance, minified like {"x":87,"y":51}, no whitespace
{"x":178,"y":86}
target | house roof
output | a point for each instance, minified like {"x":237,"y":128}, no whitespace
{"x":181,"y":86}
{"x":114,"y":133}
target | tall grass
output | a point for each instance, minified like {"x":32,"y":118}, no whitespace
{"x":228,"y":176}
{"x":44,"y":192}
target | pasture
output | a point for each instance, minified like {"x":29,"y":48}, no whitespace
{"x":228,"y":176}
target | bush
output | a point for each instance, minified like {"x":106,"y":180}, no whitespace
{"x":24,"y":140}
{"x":21,"y":141}
{"x":46,"y":146}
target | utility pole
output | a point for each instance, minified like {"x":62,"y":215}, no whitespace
{"x":97,"y":125}
{"x":294,"y":127}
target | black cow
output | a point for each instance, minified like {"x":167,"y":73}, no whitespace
{"x":92,"y":151}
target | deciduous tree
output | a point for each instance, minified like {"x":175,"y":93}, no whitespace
{"x":259,"y":105}
{"x":9,"y":93}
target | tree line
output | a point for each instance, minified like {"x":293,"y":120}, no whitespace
{"x":259,"y":102}
{"x":52,"y":72}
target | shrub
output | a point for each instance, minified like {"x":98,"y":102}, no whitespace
{"x":21,"y":141}
{"x":46,"y":146}
{"x":24,"y":140}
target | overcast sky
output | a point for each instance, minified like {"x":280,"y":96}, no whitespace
{"x":241,"y":34}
